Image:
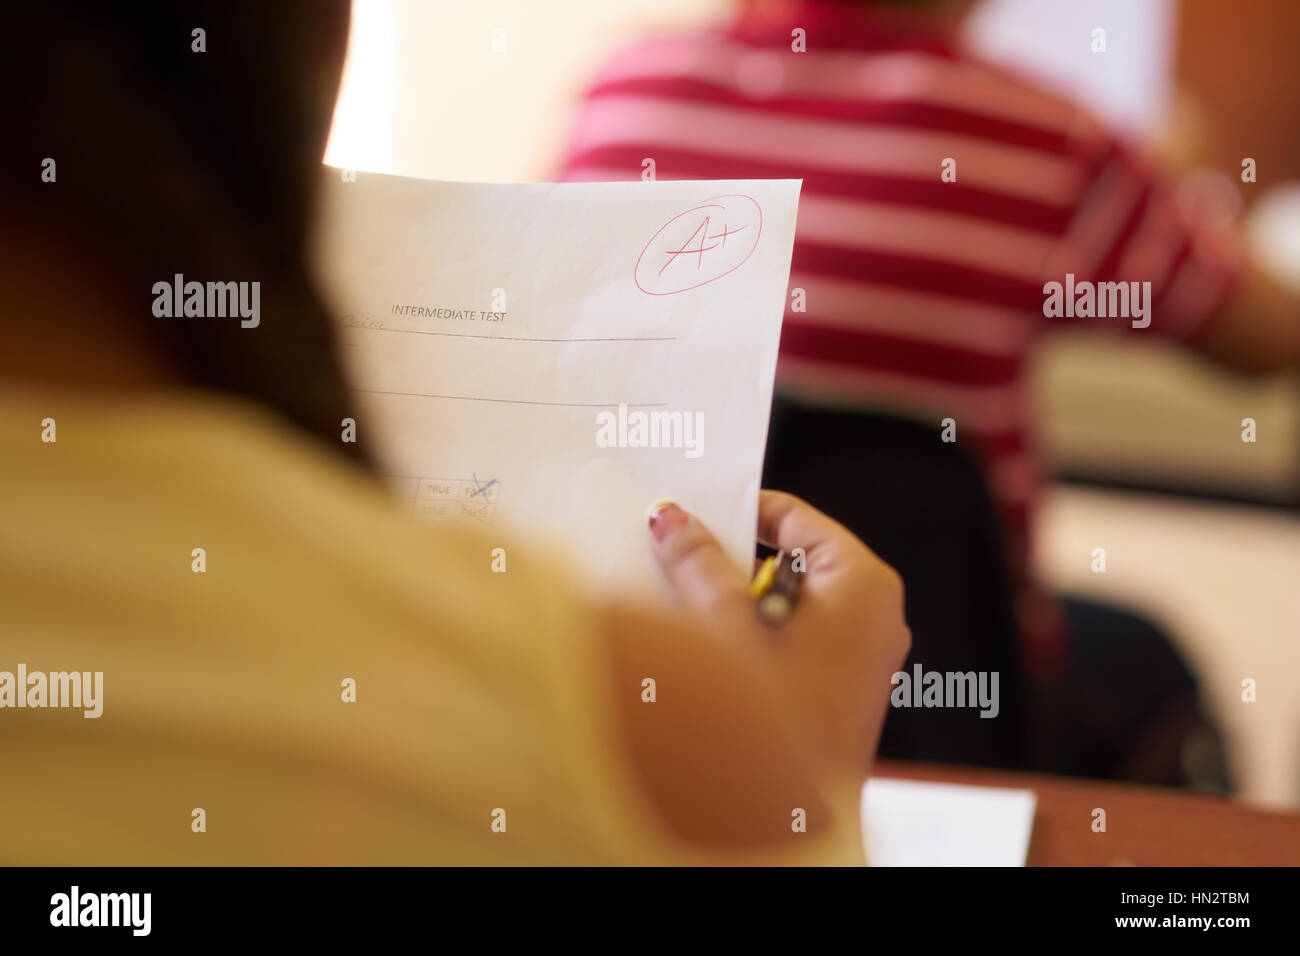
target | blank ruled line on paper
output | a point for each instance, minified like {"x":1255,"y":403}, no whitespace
{"x":518,"y":338}
{"x":514,"y":401}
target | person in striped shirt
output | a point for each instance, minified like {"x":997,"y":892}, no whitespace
{"x":940,"y":196}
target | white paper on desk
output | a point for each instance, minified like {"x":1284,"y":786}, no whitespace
{"x":545,"y":305}
{"x":916,"y":823}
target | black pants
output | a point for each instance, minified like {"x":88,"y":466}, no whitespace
{"x":1129,"y":707}
{"x":923,"y":506}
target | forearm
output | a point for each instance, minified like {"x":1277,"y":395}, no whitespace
{"x":723,"y":752}
{"x":1257,"y":330}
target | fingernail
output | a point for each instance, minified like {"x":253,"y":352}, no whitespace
{"x":664,"y":518}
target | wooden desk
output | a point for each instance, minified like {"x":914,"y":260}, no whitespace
{"x":1144,"y":826}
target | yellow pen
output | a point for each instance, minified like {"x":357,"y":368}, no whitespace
{"x":775,"y":587}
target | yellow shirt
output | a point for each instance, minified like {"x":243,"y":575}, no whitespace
{"x":479,"y":732}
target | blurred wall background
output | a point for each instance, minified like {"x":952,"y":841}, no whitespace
{"x":485,"y":85}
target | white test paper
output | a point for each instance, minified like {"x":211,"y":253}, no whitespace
{"x":486,"y":326}
{"x":918,"y":823}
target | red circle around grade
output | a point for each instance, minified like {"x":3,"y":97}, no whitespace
{"x":703,"y":205}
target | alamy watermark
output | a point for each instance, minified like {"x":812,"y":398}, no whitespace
{"x":74,"y":908}
{"x":1100,"y":300}
{"x":73,"y":689}
{"x":924,"y":688}
{"x":637,"y":429}
{"x":210,"y":300}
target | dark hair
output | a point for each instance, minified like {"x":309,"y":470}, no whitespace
{"x":173,"y":161}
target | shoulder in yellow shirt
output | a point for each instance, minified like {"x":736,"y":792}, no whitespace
{"x":477,"y":734}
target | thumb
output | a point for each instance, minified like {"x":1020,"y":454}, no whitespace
{"x":693,"y":561}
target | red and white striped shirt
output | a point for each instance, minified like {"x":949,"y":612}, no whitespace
{"x":920,"y":294}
